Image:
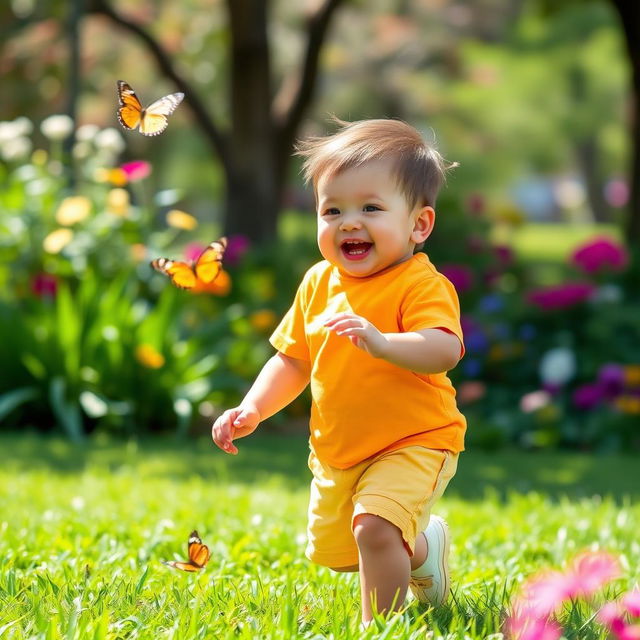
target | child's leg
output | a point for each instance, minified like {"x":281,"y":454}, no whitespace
{"x":384,"y":565}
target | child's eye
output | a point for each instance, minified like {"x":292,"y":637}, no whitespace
{"x":371,"y":207}
{"x":331,"y":212}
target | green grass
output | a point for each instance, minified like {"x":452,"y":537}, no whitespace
{"x":83,"y":530}
{"x":555,"y":242}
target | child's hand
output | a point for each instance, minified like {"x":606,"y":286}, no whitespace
{"x":360,"y":331}
{"x":232,"y":424}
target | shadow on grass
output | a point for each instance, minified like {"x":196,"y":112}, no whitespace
{"x":266,"y":457}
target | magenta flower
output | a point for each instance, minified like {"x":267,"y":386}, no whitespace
{"x":504,"y":254}
{"x":612,"y":617}
{"x":136,"y":170}
{"x":600,"y":253}
{"x":44,"y":285}
{"x":237,"y":246}
{"x":476,"y":204}
{"x":560,"y":296}
{"x":588,"y":396}
{"x":460,"y":275}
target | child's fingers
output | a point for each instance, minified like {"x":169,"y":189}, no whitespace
{"x":222,"y":431}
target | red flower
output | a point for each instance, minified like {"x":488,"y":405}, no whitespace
{"x":44,"y":285}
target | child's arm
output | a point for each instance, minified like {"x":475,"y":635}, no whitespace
{"x":281,"y":380}
{"x":425,"y":351}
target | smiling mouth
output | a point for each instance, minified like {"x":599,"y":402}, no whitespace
{"x":355,"y":250}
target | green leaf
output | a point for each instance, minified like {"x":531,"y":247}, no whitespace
{"x":67,"y":413}
{"x":12,"y":399}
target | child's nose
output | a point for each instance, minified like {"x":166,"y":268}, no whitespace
{"x":350,"y":222}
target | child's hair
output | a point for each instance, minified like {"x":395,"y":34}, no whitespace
{"x":419,"y":168}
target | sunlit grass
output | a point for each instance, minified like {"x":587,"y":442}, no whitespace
{"x":83,"y":530}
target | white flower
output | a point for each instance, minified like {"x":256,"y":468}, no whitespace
{"x":14,"y":129}
{"x":57,"y":127}
{"x":557,"y":366}
{"x":87,"y":132}
{"x":535,"y":400}
{"x":109,"y":139}
{"x":16,"y":149}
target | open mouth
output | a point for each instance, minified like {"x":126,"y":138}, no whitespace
{"x":355,"y":249}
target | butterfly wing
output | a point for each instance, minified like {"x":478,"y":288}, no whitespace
{"x":209,"y":263}
{"x":130,"y":111}
{"x":181,"y":274}
{"x":198,"y":555}
{"x":154,"y":118}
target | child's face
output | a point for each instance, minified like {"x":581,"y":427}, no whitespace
{"x":364,"y":222}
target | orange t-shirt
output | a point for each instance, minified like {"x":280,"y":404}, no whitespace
{"x":363,"y":405}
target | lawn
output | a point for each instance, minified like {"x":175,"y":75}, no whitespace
{"x":83,"y":530}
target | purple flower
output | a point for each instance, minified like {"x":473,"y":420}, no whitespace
{"x":237,"y":246}
{"x":600,"y":253}
{"x":611,"y":379}
{"x":560,"y":296}
{"x":460,"y":276}
{"x":504,"y":254}
{"x":588,"y":396}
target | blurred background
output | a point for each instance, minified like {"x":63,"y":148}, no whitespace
{"x":538,"y":228}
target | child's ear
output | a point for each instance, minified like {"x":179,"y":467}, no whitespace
{"x":423,"y":225}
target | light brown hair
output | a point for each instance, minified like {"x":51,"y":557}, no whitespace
{"x":418,"y":167}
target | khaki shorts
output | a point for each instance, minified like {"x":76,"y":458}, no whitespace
{"x":400,"y":486}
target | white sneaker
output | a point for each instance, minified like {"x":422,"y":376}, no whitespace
{"x":429,"y":583}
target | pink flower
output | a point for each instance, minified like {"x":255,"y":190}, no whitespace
{"x":523,"y":628}
{"x":136,"y":170}
{"x":631,"y":602}
{"x":611,"y":617}
{"x":600,"y":253}
{"x":193,"y":250}
{"x":560,"y":296}
{"x":44,"y":285}
{"x":616,"y":192}
{"x":542,"y":595}
{"x":590,"y":571}
{"x":460,"y":275}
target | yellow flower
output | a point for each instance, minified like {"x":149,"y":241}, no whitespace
{"x":509,"y":214}
{"x":39,"y":157}
{"x":628,"y":404}
{"x":263,"y":320}
{"x":181,"y":220}
{"x":117,"y":177}
{"x":118,"y":202}
{"x":72,"y":210}
{"x":57,"y":240}
{"x":632,"y":375}
{"x":148,"y":357}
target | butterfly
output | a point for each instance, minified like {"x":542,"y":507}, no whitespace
{"x":153,"y":119}
{"x":199,"y":555}
{"x":205,"y":269}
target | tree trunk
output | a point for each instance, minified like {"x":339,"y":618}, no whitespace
{"x":252,"y":196}
{"x":629,"y":11}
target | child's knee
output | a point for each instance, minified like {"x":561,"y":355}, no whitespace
{"x":375,"y":533}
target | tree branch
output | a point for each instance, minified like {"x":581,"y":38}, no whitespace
{"x":163,"y":60}
{"x":289,"y":109}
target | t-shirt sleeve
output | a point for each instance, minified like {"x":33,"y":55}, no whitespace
{"x":289,"y":337}
{"x":433,"y":304}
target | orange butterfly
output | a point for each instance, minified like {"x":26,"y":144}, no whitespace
{"x":199,"y":555}
{"x":204,"y":270}
{"x":152,"y":120}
